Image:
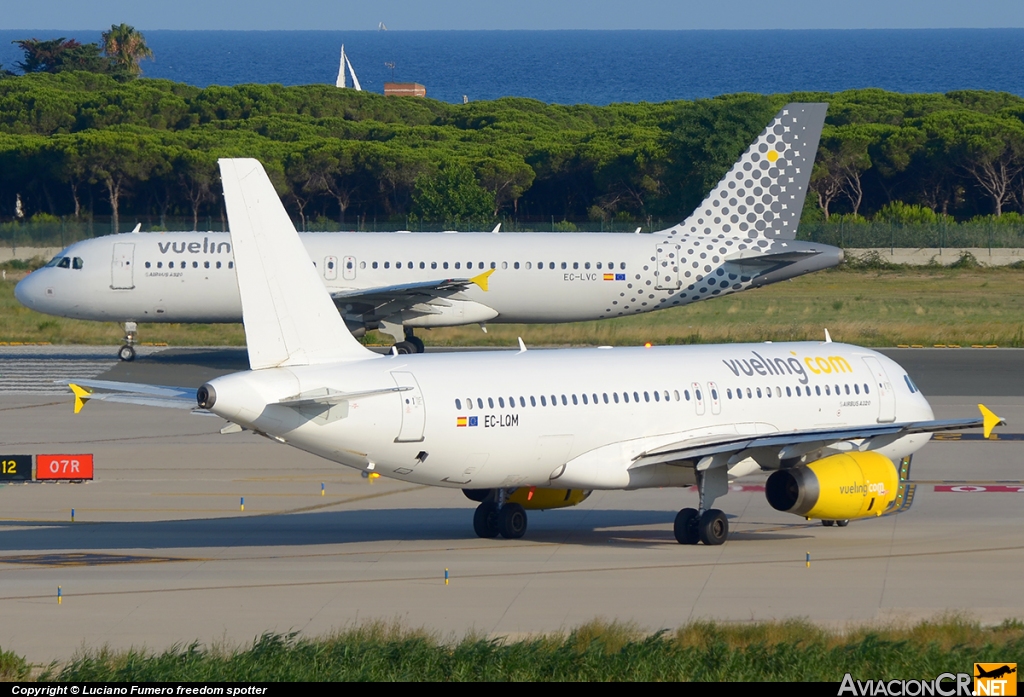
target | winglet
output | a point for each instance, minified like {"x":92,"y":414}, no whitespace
{"x":522,"y":346}
{"x":497,"y":229}
{"x":137,"y":228}
{"x":828,"y":337}
{"x":81,"y":396}
{"x":481,"y":280}
{"x":989,"y":420}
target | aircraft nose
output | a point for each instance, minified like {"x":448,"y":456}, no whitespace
{"x":29,"y":291}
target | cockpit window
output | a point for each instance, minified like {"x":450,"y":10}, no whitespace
{"x":53,"y":262}
{"x":65,"y":263}
{"x":76,"y":263}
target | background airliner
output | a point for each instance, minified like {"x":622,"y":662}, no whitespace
{"x":540,"y":429}
{"x":741,"y":236}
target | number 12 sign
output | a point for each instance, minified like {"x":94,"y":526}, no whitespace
{"x":15,"y":468}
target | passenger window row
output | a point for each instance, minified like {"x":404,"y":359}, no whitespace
{"x":750,"y":393}
{"x":581,"y":399}
{"x":184,"y":265}
{"x":649,"y":396}
{"x":482,"y":265}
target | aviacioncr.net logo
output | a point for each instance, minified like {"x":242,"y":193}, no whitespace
{"x":945,"y":685}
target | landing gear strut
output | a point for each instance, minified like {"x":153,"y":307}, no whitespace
{"x":493,"y":517}
{"x":707,"y":525}
{"x":405,"y":340}
{"x":127,"y":352}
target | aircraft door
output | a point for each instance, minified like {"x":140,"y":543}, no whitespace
{"x":698,"y":398}
{"x":413,"y":409}
{"x":348,"y":269}
{"x":121,"y":273}
{"x":330,"y":268}
{"x":883,"y":388}
{"x":668,"y":271}
{"x":716,"y":398}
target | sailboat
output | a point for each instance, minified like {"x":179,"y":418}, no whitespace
{"x":342,"y":80}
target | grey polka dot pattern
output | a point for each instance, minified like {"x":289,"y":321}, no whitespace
{"x":762,"y":195}
{"x":758,"y":200}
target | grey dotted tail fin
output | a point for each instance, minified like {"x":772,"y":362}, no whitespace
{"x":762,"y":196}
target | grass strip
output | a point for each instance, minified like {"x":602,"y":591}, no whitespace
{"x":792,"y":650}
{"x":864,"y":306}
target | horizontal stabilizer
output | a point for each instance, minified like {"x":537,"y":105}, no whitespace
{"x":326,"y":396}
{"x":131,"y":393}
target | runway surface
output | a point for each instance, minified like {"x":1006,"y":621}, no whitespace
{"x":33,"y":369}
{"x":160,"y":552}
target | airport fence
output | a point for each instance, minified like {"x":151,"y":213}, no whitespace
{"x":992,"y":235}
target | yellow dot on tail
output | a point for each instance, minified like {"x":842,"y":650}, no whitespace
{"x":772,"y":156}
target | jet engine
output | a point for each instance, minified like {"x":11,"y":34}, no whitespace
{"x":838,"y":487}
{"x":534,"y":498}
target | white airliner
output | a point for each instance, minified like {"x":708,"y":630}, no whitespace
{"x":741,"y":236}
{"x":541,"y":429}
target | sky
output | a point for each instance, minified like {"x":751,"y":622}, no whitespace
{"x":514,"y":14}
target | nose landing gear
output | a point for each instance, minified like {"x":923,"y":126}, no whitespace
{"x":127,"y":352}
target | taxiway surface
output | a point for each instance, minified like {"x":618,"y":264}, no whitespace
{"x":160,"y":552}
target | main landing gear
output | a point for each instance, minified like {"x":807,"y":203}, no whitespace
{"x":127,"y":352}
{"x":495,"y":517}
{"x":840,"y":523}
{"x":707,"y":525}
{"x":412,"y":344}
{"x":405,"y":340}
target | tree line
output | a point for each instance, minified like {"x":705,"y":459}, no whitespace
{"x":77,"y":143}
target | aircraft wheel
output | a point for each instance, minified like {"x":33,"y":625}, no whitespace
{"x":828,"y":523}
{"x":417,"y":342}
{"x":842,"y":523}
{"x":126,"y":353}
{"x":714,"y":527}
{"x":512,"y":521}
{"x":685,"y":527}
{"x":405,"y":347}
{"x":485,"y":520}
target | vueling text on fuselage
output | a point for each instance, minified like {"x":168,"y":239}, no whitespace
{"x":207,"y":247}
{"x":788,"y":366}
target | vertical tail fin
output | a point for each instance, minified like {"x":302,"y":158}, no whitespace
{"x":763,"y":194}
{"x":289,"y":317}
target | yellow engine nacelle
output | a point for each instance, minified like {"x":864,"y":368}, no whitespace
{"x":535,"y":498}
{"x":838,"y":487}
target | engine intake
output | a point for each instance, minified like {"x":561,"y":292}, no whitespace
{"x":838,"y":487}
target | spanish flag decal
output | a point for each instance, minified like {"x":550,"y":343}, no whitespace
{"x":609,"y":277}
{"x":460,"y":421}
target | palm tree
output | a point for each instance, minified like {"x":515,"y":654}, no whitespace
{"x":125,"y":47}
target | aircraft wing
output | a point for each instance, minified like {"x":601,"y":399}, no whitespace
{"x":383,"y":301}
{"x":132,"y":393}
{"x":710,"y":452}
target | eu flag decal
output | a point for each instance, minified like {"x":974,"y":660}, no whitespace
{"x":473,"y":421}
{"x":620,"y":277}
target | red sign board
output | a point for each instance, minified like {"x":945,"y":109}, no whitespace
{"x":63,"y":466}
